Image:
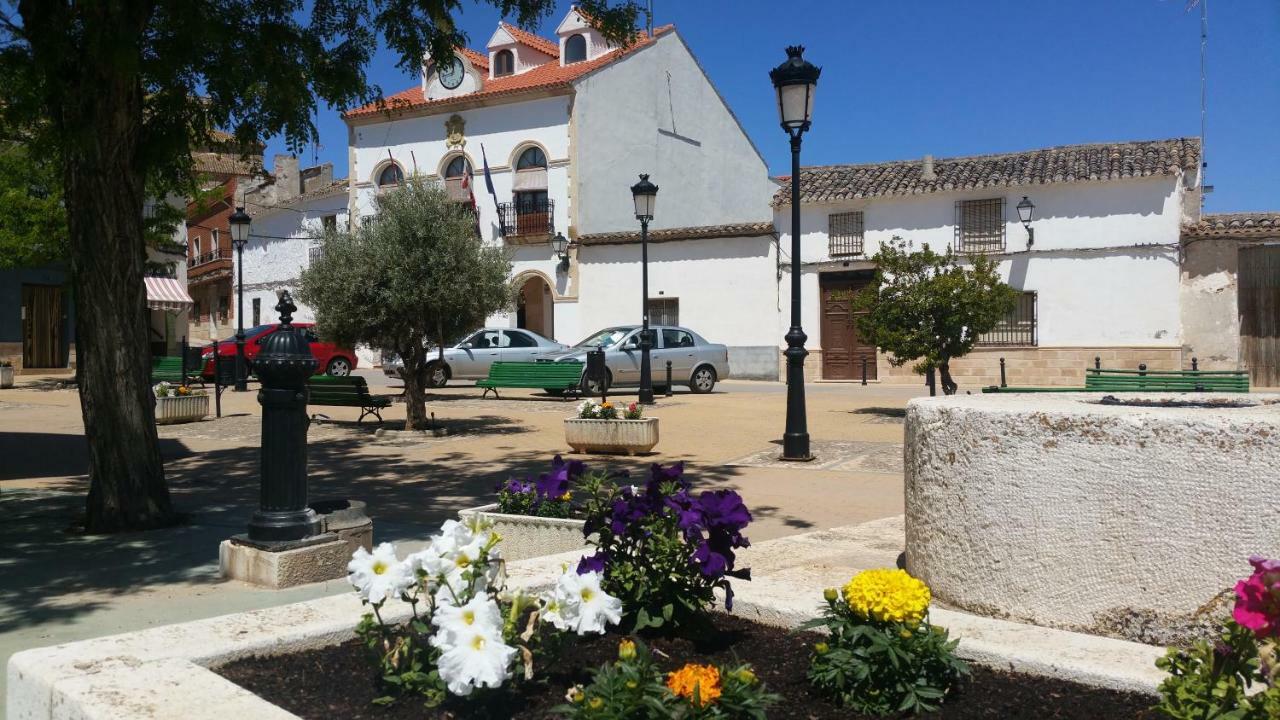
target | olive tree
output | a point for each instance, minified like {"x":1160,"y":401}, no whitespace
{"x":929,"y":307}
{"x":414,"y":271}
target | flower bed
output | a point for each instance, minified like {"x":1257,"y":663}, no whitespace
{"x":332,"y":682}
{"x":603,"y":428}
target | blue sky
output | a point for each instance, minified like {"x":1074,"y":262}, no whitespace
{"x":902,"y":79}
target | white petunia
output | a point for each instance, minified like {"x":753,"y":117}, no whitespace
{"x":559,"y":614}
{"x":472,"y":651}
{"x":379,"y":575}
{"x":578,"y":603}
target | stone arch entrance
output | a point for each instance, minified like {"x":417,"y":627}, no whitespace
{"x":535,"y":309}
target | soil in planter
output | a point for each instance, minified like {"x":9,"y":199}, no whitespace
{"x":337,"y":682}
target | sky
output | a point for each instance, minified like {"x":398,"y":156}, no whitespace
{"x":901,"y":79}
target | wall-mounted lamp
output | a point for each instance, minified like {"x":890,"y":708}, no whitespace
{"x":560,"y":246}
{"x":1026,"y":210}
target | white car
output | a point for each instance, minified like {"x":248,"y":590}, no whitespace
{"x":694,"y":361}
{"x":471,"y":358}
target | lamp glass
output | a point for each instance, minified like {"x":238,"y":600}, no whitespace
{"x":559,"y":244}
{"x":239,"y":222}
{"x":1026,"y":209}
{"x":795,"y":104}
{"x":645,"y":195}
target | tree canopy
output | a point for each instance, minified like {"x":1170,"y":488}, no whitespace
{"x":414,"y":271}
{"x":929,"y":307}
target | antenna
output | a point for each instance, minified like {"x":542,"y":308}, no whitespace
{"x":1204,"y":44}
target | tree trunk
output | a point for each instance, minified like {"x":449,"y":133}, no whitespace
{"x":416,"y":376}
{"x":949,"y":386}
{"x":96,"y":104}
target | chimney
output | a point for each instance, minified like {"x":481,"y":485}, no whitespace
{"x":288,"y":179}
{"x":926,"y":170}
{"x":317,"y":176}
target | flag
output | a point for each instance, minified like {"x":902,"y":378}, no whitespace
{"x":488,"y":179}
{"x":475,"y":211}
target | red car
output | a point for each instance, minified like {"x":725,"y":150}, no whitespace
{"x":332,"y":359}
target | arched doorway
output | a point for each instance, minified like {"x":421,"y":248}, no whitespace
{"x":535,"y":309}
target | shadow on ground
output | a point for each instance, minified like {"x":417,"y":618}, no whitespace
{"x":886,"y":412}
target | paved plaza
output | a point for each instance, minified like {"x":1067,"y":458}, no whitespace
{"x":60,"y":586}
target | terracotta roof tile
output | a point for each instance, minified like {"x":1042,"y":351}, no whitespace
{"x":1230,"y":225}
{"x":547,"y":75}
{"x":225,"y":164}
{"x":537,"y":42}
{"x":764,"y":227}
{"x":478,"y":59}
{"x":1063,"y":164}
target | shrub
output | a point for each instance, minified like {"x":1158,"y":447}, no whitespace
{"x":882,"y":656}
{"x":633,"y":688}
{"x":663,"y":550}
{"x":1213,"y":680}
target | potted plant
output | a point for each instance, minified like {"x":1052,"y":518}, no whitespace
{"x":542,"y":516}
{"x":600,"y":428}
{"x":179,"y":403}
{"x":6,"y":373}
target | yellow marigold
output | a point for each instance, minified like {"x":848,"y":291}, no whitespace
{"x":704,"y":678}
{"x":887,"y":595}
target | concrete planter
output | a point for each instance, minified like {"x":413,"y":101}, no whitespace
{"x":524,"y":536}
{"x":6,"y":376}
{"x":611,"y":436}
{"x":181,"y":409}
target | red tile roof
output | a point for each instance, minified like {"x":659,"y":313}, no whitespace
{"x":537,"y":42}
{"x":478,"y":59}
{"x":548,"y":75}
{"x":1235,"y":225}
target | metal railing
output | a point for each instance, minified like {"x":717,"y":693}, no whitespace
{"x":979,"y":226}
{"x":1016,"y":329}
{"x":208,"y":257}
{"x":527,"y":218}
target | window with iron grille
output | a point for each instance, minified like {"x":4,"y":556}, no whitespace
{"x":1018,"y":328}
{"x":844,"y":233}
{"x":980,"y":225}
{"x":314,"y":253}
{"x":664,"y":311}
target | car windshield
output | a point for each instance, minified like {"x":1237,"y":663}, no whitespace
{"x":249,"y":333}
{"x":607,"y":338}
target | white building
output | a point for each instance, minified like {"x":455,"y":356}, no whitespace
{"x":566,"y":126}
{"x":1100,"y":281}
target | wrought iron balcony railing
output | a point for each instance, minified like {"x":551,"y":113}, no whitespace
{"x":205,"y":258}
{"x":527,"y":218}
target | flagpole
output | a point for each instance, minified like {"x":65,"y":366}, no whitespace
{"x":488,"y":184}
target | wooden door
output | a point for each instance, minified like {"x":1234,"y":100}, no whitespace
{"x":41,"y":326}
{"x":842,"y":349}
{"x":1260,"y":314}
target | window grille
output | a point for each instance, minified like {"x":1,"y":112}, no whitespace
{"x":1018,"y":328}
{"x":844,"y":233}
{"x":664,"y":311}
{"x":314,"y":253}
{"x":980,"y":226}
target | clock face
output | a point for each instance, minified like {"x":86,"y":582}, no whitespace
{"x":451,"y":73}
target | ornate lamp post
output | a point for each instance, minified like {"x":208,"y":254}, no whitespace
{"x":284,"y":364}
{"x":560,"y":246}
{"x":795,"y":81}
{"x":1026,"y":209}
{"x":239,"y":237}
{"x":645,"y":194}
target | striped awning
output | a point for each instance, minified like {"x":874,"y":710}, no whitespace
{"x":167,"y":294}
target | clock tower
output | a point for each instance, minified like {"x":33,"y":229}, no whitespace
{"x":456,"y":75}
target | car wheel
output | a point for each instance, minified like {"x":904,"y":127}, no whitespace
{"x":437,"y":375}
{"x":704,"y":379}
{"x":595,"y":387}
{"x":339,"y":367}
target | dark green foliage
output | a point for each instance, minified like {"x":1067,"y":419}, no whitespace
{"x":405,"y":659}
{"x":883,"y":668}
{"x":1209,"y":681}
{"x":928,"y":307}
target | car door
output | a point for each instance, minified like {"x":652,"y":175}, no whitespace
{"x":476,"y":354}
{"x":519,"y":346}
{"x":322,"y":351}
{"x":678,"y":348}
{"x":623,"y":360}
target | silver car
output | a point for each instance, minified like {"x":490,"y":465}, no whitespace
{"x":694,"y":361}
{"x":471,"y":358}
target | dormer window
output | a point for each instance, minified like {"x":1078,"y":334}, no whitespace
{"x":504,"y":63}
{"x":575,"y":49}
{"x":390,"y":175}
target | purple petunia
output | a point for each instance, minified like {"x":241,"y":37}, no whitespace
{"x":556,"y":483}
{"x":593,"y":563}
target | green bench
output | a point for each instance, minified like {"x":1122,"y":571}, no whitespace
{"x":350,"y":391}
{"x":168,"y":368}
{"x":554,"y":377}
{"x":1098,"y":380}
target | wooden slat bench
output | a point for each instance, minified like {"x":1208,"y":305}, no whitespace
{"x":168,"y":368}
{"x":1097,"y":379}
{"x":551,"y":376}
{"x":350,"y":391}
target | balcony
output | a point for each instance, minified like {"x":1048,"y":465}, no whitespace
{"x":527,"y":222}
{"x":205,"y":259}
{"x":213,"y":265}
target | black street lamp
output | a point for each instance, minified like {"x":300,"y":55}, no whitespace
{"x":239,"y":237}
{"x":1026,"y":209}
{"x":284,"y":365}
{"x":795,"y":81}
{"x":645,"y":194}
{"x":560,"y":246}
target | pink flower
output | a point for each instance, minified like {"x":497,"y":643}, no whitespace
{"x":1258,"y":598}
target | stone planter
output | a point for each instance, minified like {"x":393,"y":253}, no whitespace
{"x":611,"y":436}
{"x":6,"y":376}
{"x":526,"y":537}
{"x":181,"y":409}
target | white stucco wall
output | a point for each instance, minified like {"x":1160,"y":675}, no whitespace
{"x":655,"y":111}
{"x":1104,"y":263}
